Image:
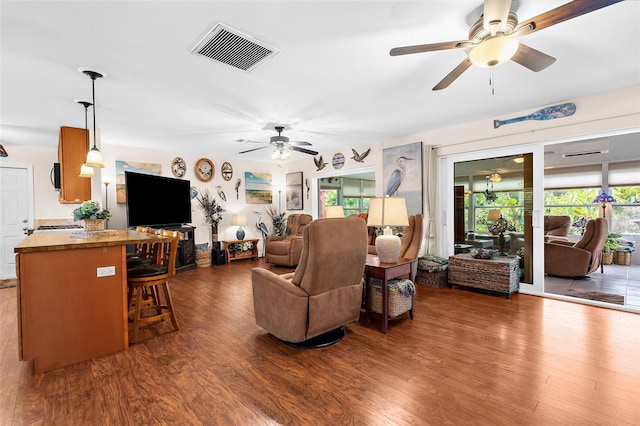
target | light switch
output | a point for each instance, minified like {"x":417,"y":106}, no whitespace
{"x":106,"y":271}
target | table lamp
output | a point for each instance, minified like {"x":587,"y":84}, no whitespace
{"x":240,"y":220}
{"x":604,"y":199}
{"x":499,"y":226}
{"x":494,"y":215}
{"x":334,"y":211}
{"x":388,"y":211}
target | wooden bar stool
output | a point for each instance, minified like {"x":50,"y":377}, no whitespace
{"x":148,"y":284}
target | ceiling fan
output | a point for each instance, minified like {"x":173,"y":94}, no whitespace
{"x":281,"y":144}
{"x":492,"y":39}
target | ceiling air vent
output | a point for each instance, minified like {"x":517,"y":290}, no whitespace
{"x":231,"y":47}
{"x":595,"y":147}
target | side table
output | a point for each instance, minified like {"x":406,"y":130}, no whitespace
{"x":386,"y":271}
{"x":244,"y":254}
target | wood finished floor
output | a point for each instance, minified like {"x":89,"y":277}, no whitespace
{"x":466,"y":358}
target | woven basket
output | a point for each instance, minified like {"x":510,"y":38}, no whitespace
{"x":432,"y":279}
{"x":398,"y":302}
{"x":92,"y":225}
{"x":622,"y":257}
{"x":203,"y":258}
{"x":607,"y":258}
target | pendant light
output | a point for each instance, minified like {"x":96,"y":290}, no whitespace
{"x":94,"y":156}
{"x":86,"y":171}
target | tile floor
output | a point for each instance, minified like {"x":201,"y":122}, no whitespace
{"x":616,"y":279}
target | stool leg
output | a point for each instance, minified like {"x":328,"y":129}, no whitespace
{"x":136,"y":313}
{"x":167,"y":296}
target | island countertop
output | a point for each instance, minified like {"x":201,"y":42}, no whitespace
{"x":82,"y":240}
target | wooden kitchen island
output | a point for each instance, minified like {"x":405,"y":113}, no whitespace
{"x":72,"y":295}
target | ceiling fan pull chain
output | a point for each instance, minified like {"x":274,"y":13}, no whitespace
{"x":492,"y":83}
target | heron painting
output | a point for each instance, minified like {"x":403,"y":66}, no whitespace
{"x":402,"y":174}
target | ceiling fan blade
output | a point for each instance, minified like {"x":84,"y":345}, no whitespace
{"x":306,"y":151}
{"x":449,"y":78}
{"x":299,"y":143}
{"x":531,"y":58}
{"x":495,"y":15}
{"x":560,"y":14}
{"x":248,"y":141}
{"x":253,"y":149}
{"x":407,"y":50}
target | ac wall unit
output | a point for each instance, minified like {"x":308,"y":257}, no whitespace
{"x":585,"y":148}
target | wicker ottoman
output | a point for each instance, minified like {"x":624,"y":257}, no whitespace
{"x":500,"y":275}
{"x":432,"y":271}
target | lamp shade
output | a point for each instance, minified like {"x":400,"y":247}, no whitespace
{"x":239,"y":219}
{"x":494,"y":51}
{"x":387,"y":211}
{"x":94,"y":158}
{"x":86,"y":171}
{"x":494,"y":215}
{"x":334,"y":211}
{"x":604,"y":198}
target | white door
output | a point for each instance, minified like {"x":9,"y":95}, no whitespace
{"x":15,"y":215}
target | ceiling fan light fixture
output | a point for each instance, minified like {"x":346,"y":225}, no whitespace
{"x":280,"y":154}
{"x":494,"y":51}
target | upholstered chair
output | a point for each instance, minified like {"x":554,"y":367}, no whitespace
{"x":285,"y":250}
{"x":325,"y":291}
{"x":565,"y":259}
{"x":556,"y":227}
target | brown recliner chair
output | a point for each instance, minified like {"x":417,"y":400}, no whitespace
{"x":565,"y":259}
{"x":286,"y":250}
{"x":411,"y":239}
{"x":556,"y":227}
{"x":325,"y":291}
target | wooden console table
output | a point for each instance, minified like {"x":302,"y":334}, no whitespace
{"x":245,"y":254}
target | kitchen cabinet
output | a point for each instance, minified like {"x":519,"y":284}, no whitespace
{"x":73,"y":146}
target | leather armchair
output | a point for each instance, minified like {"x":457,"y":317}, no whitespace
{"x":286,"y":250}
{"x":556,"y":227}
{"x":324,"y":292}
{"x":565,"y":259}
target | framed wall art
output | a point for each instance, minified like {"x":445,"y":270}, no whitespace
{"x":402,"y":174}
{"x":257,"y":188}
{"x":294,"y":191}
{"x":130,"y":166}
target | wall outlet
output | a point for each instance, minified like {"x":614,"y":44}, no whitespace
{"x":106,"y":271}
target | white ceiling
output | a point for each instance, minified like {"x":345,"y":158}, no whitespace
{"x":333,"y":80}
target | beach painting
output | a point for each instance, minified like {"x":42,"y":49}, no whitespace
{"x":130,"y":166}
{"x":258,"y":188}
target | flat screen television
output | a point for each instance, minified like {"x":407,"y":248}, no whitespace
{"x":157,"y":200}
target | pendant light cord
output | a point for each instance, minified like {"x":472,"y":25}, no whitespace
{"x":93,"y":91}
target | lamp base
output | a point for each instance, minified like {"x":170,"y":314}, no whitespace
{"x":240,"y":233}
{"x":388,"y":248}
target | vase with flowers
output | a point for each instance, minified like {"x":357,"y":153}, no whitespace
{"x":212,"y":211}
{"x":93,"y":216}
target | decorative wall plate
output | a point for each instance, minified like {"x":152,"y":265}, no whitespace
{"x":205,"y":169}
{"x":178,"y":167}
{"x":338,"y":160}
{"x":226,"y":171}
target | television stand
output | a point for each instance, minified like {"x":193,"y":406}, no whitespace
{"x":186,"y":256}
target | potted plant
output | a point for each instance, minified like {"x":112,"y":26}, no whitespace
{"x":92,"y":215}
{"x":212,"y":212}
{"x":612,"y":242}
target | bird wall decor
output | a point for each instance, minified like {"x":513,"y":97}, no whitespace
{"x":221,"y":193}
{"x":238,"y":183}
{"x":320,"y":164}
{"x":360,"y":157}
{"x":397,"y":176}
